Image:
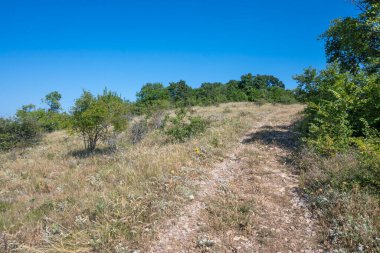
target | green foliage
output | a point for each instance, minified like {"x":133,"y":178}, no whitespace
{"x":95,"y":118}
{"x":267,"y":81}
{"x":260,"y":82}
{"x":329,"y":128}
{"x":354,"y":41}
{"x":338,"y":105}
{"x":246,"y":81}
{"x":180,"y":93}
{"x":211,"y":93}
{"x":182,"y":128}
{"x":233,"y":93}
{"x":155,"y":97}
{"x":307,"y":87}
{"x":341,"y":175}
{"x":152,"y":97}
{"x":18,"y":133}
{"x":49,"y":120}
{"x":279,"y":95}
{"x":366,"y":103}
{"x":53,"y":101}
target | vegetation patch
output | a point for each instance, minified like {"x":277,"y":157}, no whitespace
{"x":229,"y":211}
{"x":182,"y":128}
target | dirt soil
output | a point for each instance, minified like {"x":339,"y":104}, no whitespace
{"x":260,"y":171}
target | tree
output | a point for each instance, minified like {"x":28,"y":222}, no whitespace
{"x":307,"y":84}
{"x":49,"y":120}
{"x":211,"y":93}
{"x":259,"y":82}
{"x":53,"y":101}
{"x":246,"y":82}
{"x":179,"y":92}
{"x":152,"y":97}
{"x":354,"y":42}
{"x":19,"y":132}
{"x":95,"y":118}
{"x":266,"y":82}
{"x":233,"y":93}
{"x":151,"y":92}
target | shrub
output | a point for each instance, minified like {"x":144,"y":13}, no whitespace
{"x":138,"y":131}
{"x":182,"y":127}
{"x":280,"y":95}
{"x":95,"y":118}
{"x":329,"y":115}
{"x":18,"y":133}
{"x":152,"y":97}
{"x":48,"y":120}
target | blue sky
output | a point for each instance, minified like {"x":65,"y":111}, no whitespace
{"x":71,"y":45}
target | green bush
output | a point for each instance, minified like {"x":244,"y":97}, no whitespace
{"x":340,"y":106}
{"x":95,"y":118}
{"x":16,"y":133}
{"x":279,"y":95}
{"x":182,"y":128}
{"x":49,"y":121}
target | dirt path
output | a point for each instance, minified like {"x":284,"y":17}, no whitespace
{"x":261,"y":180}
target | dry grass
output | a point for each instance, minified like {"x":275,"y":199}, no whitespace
{"x":230,"y":211}
{"x":54,"y":199}
{"x":259,"y":210}
{"x":348,"y":213}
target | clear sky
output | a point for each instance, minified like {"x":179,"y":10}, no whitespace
{"x":71,"y":45}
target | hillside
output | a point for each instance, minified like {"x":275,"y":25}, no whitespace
{"x":229,"y":189}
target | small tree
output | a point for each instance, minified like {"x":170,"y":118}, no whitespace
{"x":95,"y":118}
{"x":179,"y":92}
{"x":267,"y":82}
{"x":152,"y":97}
{"x":53,"y":101}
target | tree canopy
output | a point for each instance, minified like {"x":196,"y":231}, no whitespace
{"x":94,"y":118}
{"x":53,"y":101}
{"x":354,"y":42}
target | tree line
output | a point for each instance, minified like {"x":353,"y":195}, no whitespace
{"x":249,"y":88}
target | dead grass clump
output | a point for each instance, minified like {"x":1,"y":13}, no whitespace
{"x":158,"y":120}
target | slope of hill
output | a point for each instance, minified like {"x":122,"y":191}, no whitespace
{"x":230,"y":189}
